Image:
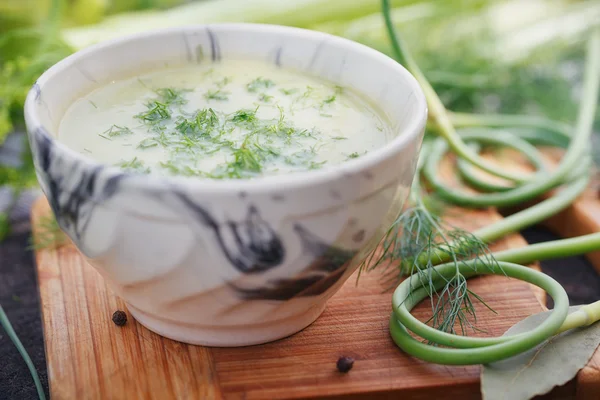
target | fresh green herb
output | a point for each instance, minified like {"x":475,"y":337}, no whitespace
{"x":329,"y":100}
{"x":245,"y":161}
{"x":339,"y":138}
{"x":186,"y":126}
{"x":116,"y":130}
{"x":245,"y":116}
{"x":218,"y":95}
{"x":223,"y":82}
{"x":300,"y":158}
{"x":316,"y":165}
{"x":202,"y":122}
{"x":183,"y":170}
{"x":134,"y":165}
{"x":259,"y":84}
{"x":188,"y":143}
{"x":207,"y":118}
{"x":93,"y":104}
{"x":170,"y":96}
{"x":266,"y":151}
{"x":352,"y":155}
{"x":147,"y":143}
{"x":288,"y":92}
{"x":308,"y":92}
{"x":156,"y":112}
{"x":265,"y":98}
{"x":160,"y":139}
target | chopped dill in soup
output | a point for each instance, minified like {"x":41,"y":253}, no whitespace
{"x":236,"y":119}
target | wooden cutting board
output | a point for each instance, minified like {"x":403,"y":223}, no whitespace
{"x":89,"y":357}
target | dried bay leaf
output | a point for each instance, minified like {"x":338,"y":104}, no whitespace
{"x":535,"y":372}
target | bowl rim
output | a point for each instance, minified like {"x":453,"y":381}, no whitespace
{"x":261,"y":184}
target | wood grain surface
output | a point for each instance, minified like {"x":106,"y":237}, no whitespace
{"x":89,"y":357}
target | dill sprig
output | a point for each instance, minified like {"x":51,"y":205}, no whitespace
{"x":218,"y":95}
{"x":337,"y":90}
{"x":134,"y":165}
{"x":265,"y":98}
{"x":329,"y":99}
{"x":244,"y":116}
{"x":202,"y":122}
{"x":259,"y":84}
{"x":116,"y":130}
{"x":251,"y":144}
{"x":245,"y":162}
{"x":156,"y":112}
{"x":171,"y":96}
{"x":147,"y":143}
{"x":416,"y":240}
{"x":183,"y":170}
{"x":288,"y":92}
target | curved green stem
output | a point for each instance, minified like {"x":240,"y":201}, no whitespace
{"x":571,"y":175}
{"x":529,"y":190}
{"x":550,"y":250}
{"x":15,"y":339}
{"x":534,"y":214}
{"x":437,"y":111}
{"x":508,"y":121}
{"x":469,"y":350}
{"x":501,"y":139}
{"x":583,"y":317}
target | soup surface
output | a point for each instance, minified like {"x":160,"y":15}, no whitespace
{"x":235,"y":119}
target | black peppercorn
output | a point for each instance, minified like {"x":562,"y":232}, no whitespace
{"x":344,"y":364}
{"x":119,"y":318}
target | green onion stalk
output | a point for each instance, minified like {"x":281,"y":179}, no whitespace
{"x":430,"y":270}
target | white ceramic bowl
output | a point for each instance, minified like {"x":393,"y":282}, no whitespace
{"x":234,"y":262}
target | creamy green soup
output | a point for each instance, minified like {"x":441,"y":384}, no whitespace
{"x":235,"y":119}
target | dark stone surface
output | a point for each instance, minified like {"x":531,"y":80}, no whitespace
{"x":576,"y":274}
{"x":20,"y":301}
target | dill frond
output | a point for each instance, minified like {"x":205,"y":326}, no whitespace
{"x":134,"y":165}
{"x":265,"y":98}
{"x":171,"y":96}
{"x":244,"y":116}
{"x":288,"y":92}
{"x":219,"y":95}
{"x":416,"y":242}
{"x":156,"y":112}
{"x":117,"y":130}
{"x":258,"y":84}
